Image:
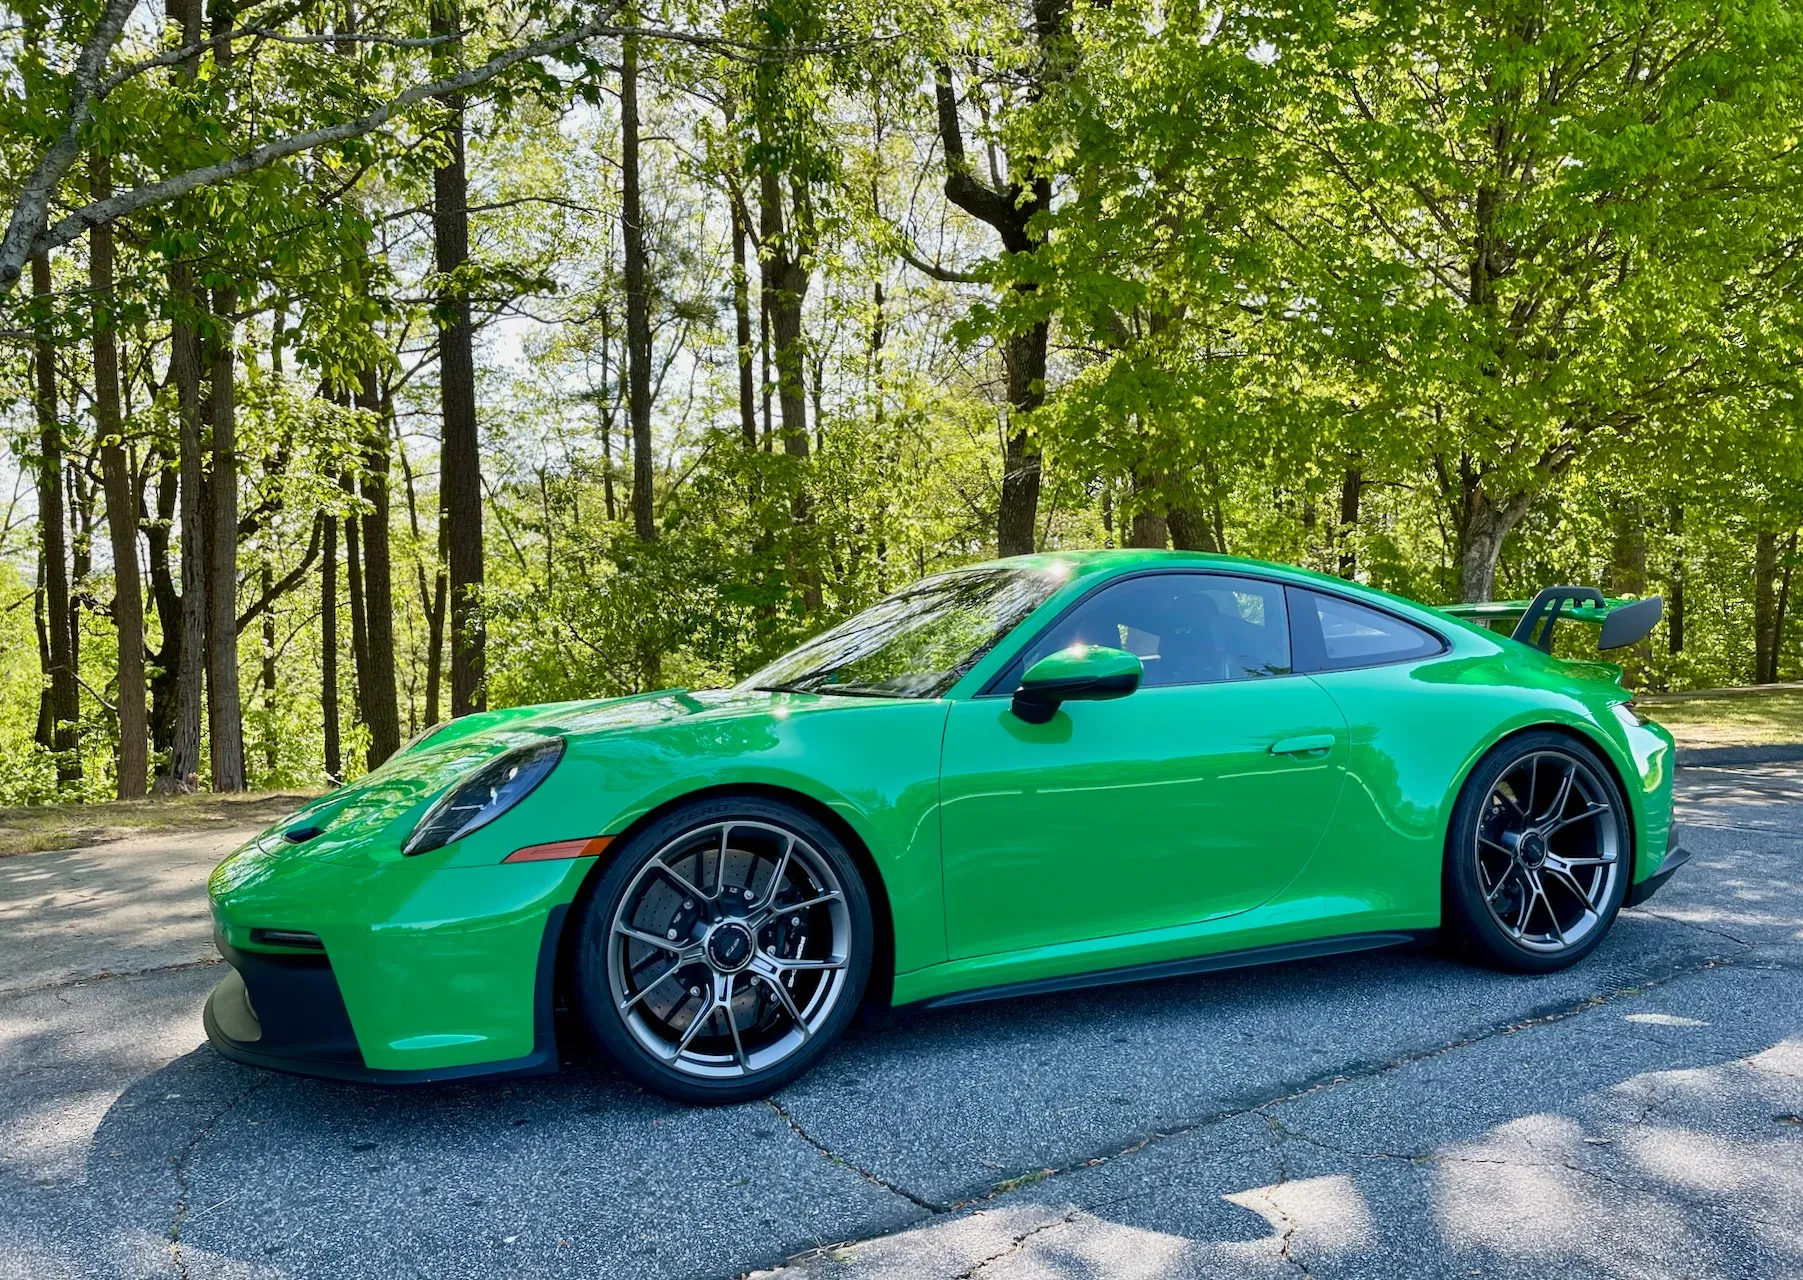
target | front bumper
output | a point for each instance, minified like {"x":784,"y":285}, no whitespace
{"x":285,"y":1011}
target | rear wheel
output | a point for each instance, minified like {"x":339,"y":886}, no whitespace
{"x":1537,"y":855}
{"x":725,"y":949}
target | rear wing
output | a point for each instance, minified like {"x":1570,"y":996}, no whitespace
{"x":1623,"y":621}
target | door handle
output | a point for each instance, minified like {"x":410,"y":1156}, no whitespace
{"x":1308,"y":742}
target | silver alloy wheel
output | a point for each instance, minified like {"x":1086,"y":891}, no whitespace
{"x":730,"y":948}
{"x":1548,"y":847}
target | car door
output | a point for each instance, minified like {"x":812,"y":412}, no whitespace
{"x":1199,"y":795}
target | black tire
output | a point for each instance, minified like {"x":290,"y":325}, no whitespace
{"x":773,"y":1016}
{"x":1528,"y":888}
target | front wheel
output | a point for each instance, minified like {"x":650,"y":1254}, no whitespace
{"x":1537,"y":855}
{"x":724,"y":949}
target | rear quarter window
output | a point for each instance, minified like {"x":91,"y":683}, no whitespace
{"x":1336,"y":634}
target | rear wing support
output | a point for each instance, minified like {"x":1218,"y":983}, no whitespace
{"x":1623,"y":621}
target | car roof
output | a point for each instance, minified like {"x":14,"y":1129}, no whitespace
{"x":1081,"y":565}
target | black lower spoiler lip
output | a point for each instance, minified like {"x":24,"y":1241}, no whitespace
{"x":1674,"y":861}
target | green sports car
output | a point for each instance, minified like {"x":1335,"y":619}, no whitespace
{"x":1041,"y":773}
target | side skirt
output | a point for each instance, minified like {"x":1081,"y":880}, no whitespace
{"x":1247,"y":958}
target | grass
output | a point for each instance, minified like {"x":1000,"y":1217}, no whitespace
{"x":1730,"y":717}
{"x":42,"y":827}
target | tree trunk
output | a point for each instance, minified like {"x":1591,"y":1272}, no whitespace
{"x":1190,"y":530}
{"x":460,"y":478}
{"x":1017,"y":517}
{"x":638,"y":302}
{"x":1483,"y":525}
{"x":184,"y":371}
{"x":1765,"y":614}
{"x":786,"y":277}
{"x":1783,"y":607}
{"x":121,"y":502}
{"x":353,"y":587}
{"x":45,"y":734}
{"x":1149,"y":529}
{"x":328,"y":652}
{"x":271,"y":756}
{"x":377,"y":680}
{"x":1352,"y":488}
{"x":741,"y":305}
{"x":435,"y":634}
{"x":1008,"y":210}
{"x":1627,"y":577}
{"x":65,"y":707}
{"x":166,"y":667}
{"x":1674,"y":610}
{"x":225,"y":713}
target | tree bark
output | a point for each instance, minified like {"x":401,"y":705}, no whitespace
{"x":784,"y":235}
{"x":1149,"y":528}
{"x":270,"y":753}
{"x":1352,"y":488}
{"x":741,"y":305}
{"x":460,"y":478}
{"x":638,"y":301}
{"x":1783,"y":606}
{"x":1627,"y":577}
{"x":184,"y":372}
{"x":353,"y":588}
{"x":1190,"y":530}
{"x":65,"y":708}
{"x":225,"y":712}
{"x":121,"y":503}
{"x":1674,"y":612}
{"x":380,"y":700}
{"x":328,"y":652}
{"x":1483,"y":524}
{"x":167,"y":661}
{"x":1765,"y":614}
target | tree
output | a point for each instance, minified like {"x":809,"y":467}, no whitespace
{"x":121,"y":500}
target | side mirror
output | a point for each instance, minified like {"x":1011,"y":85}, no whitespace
{"x":1081,"y":673}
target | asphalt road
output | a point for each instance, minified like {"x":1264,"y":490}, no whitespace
{"x":1641,"y":1115}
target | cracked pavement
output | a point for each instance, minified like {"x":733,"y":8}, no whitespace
{"x":1384,"y":1114}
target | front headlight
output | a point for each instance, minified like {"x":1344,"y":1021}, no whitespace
{"x":485,"y":795}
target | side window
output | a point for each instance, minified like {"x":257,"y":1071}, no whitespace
{"x":1352,"y":635}
{"x":1187,"y":628}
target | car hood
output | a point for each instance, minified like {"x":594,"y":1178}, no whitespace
{"x":372,"y":816}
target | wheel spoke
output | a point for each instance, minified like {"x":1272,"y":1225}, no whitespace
{"x":1501,"y":880}
{"x":674,"y":945}
{"x":1557,"y":808}
{"x":1533,"y":786}
{"x":660,"y":867}
{"x":776,"y":879}
{"x":706,"y":1015}
{"x":809,"y":966}
{"x":1589,"y":812}
{"x":787,"y":1002}
{"x":723,"y":1001}
{"x":1587,"y":862}
{"x":631,"y":1004}
{"x":1562,"y":876}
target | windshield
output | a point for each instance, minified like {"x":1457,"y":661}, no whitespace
{"x":917,"y":642}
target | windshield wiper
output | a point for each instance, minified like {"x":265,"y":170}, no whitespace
{"x":829,"y":691}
